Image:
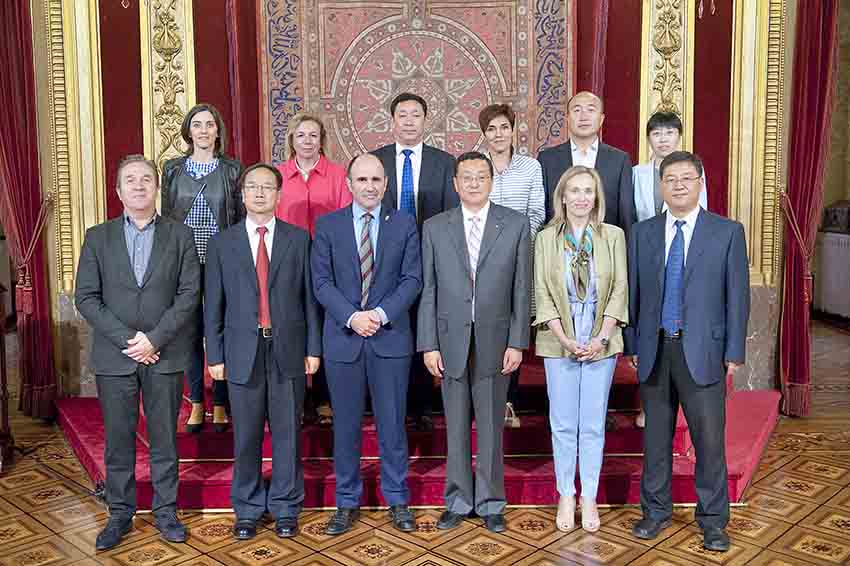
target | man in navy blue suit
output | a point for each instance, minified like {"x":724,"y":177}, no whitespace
{"x":689,"y":303}
{"x":367,"y":273}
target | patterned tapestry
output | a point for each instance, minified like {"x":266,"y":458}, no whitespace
{"x":345,"y":60}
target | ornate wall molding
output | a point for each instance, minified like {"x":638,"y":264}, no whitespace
{"x":667,"y":64}
{"x":168,"y":74}
{"x":757,"y":130}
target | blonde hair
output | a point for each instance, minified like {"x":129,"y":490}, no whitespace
{"x":559,"y":209}
{"x":295,"y":123}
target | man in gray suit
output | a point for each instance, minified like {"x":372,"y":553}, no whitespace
{"x":473,"y":324}
{"x":689,"y":303}
{"x":138,"y":285}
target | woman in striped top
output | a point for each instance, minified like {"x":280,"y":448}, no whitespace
{"x":517,"y":184}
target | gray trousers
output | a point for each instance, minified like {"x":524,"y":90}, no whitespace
{"x":119,"y":403}
{"x":486,"y":396}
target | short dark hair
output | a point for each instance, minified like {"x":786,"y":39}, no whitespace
{"x":358,"y":156}
{"x":473,"y":156}
{"x":404,"y":97}
{"x":494,"y":111}
{"x":136,"y":158}
{"x":185,"y":127}
{"x":664,"y":120}
{"x":681,"y":157}
{"x":277,"y":176}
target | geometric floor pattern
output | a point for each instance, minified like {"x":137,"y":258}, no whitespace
{"x":797,"y":512}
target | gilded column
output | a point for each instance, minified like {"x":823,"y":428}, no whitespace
{"x":168,"y":74}
{"x":667,"y":64}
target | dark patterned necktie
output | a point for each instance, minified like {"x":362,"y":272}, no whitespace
{"x":367,"y":262}
{"x":671,"y":309}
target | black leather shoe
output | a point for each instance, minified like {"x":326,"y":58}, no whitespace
{"x":424,"y":423}
{"x":244,"y":529}
{"x":449,"y":520}
{"x":342,"y":521}
{"x":402,"y":518}
{"x":495,"y":523}
{"x":286,"y":527}
{"x":648,"y":529}
{"x":113,"y":532}
{"x":715,"y":539}
{"x":169,"y":527}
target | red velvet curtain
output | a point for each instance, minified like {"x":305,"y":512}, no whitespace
{"x":812,"y":100}
{"x":21,"y":210}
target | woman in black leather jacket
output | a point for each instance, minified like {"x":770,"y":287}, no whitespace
{"x":201,"y":190}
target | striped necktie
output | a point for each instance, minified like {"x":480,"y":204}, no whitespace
{"x":408,"y":198}
{"x":366,"y":259}
{"x":474,"y":245}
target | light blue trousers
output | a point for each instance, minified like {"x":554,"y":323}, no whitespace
{"x":578,"y":403}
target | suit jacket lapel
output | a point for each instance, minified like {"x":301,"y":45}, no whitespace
{"x":388,"y":157}
{"x":279,"y":247}
{"x":657,"y":245}
{"x":424,"y":180}
{"x":118,"y":247}
{"x":383,"y":229}
{"x":492,"y":229}
{"x":458,"y":234}
{"x":567,"y":156}
{"x":697,"y":245}
{"x":161,"y":234}
{"x":350,"y":245}
{"x":243,"y":251}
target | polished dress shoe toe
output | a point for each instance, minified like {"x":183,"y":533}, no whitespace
{"x":715,"y":539}
{"x":495,"y":523}
{"x":402,"y":518}
{"x":113,"y":532}
{"x":425,"y":424}
{"x":342,"y":521}
{"x":449,"y":520}
{"x":648,"y":529}
{"x":244,"y":529}
{"x":286,"y":527}
{"x":169,"y":527}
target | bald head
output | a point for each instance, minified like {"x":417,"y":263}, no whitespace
{"x":367,"y":181}
{"x":585,"y":115}
{"x":359,"y":157}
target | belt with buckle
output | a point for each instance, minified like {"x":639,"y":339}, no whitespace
{"x":671,"y":335}
{"x":265,"y":332}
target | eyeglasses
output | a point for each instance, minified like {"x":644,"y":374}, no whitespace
{"x":677,"y":180}
{"x":260,"y":188}
{"x":470,"y":179}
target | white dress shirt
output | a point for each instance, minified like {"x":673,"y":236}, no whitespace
{"x":254,"y":236}
{"x":416,"y":162}
{"x":467,"y":228}
{"x":587,"y":159}
{"x":687,"y":231}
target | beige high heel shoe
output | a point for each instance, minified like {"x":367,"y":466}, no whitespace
{"x":566,"y":518}
{"x":196,"y":418}
{"x":589,"y":515}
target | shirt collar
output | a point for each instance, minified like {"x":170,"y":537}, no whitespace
{"x":417,"y":149}
{"x":690,"y":218}
{"x":358,"y":211}
{"x":129,"y":220}
{"x":482,"y":214}
{"x":593,"y":147}
{"x":252,"y":227}
{"x":290,"y":167}
{"x":510,"y":163}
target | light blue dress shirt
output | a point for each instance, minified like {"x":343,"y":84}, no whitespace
{"x":357,"y":213}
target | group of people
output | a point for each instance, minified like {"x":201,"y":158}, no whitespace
{"x":404,"y":271}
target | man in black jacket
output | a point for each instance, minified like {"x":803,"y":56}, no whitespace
{"x":138,"y":284}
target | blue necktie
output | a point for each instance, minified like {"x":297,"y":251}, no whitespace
{"x":408,"y":199}
{"x":671,"y":309}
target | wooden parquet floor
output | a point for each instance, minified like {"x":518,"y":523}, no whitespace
{"x":797,"y":511}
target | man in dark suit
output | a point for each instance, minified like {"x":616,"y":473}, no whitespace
{"x":419,"y":182}
{"x":585,"y":115}
{"x":689,"y":299}
{"x":473,"y":324}
{"x":138,"y":285}
{"x":367,"y":272}
{"x":263,"y":330}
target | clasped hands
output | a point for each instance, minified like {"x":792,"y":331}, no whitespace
{"x":366,"y":323}
{"x":140,"y":349}
{"x":583,"y":352}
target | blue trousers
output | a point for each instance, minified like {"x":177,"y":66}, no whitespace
{"x":387,"y":380}
{"x":578,"y":403}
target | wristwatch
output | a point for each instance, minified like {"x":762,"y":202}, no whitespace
{"x":604,"y":341}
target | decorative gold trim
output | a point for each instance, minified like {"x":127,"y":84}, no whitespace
{"x":168,"y":74}
{"x":756,"y":132}
{"x":667,"y":63}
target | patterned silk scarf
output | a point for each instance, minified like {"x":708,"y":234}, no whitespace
{"x":582,"y":252}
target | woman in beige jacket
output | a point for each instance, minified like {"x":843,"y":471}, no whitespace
{"x":581,"y":288}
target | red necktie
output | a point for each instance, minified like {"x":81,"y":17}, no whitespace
{"x":265,"y":317}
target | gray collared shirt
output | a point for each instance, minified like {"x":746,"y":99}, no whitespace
{"x":139,"y":245}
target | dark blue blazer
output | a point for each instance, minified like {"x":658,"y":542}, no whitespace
{"x":231,"y":302}
{"x":716,"y":303}
{"x":396,"y":283}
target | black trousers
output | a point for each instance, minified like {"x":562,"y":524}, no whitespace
{"x":268,"y":396}
{"x":670,"y":384}
{"x":119,"y":403}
